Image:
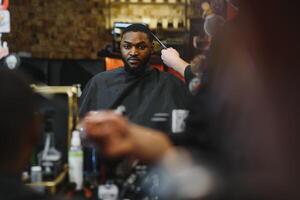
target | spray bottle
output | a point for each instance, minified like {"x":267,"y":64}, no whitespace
{"x":75,"y":159}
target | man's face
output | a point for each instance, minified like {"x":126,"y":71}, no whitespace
{"x":136,"y":49}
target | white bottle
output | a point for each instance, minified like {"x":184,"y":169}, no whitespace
{"x":75,"y":159}
{"x":36,"y":174}
{"x":108,"y":192}
{"x":36,"y":177}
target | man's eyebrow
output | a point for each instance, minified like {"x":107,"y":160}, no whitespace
{"x":127,"y":42}
{"x":139,"y":43}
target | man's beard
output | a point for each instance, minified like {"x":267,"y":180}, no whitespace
{"x":137,"y":70}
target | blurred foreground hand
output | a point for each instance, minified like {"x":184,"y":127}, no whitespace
{"x":118,"y":138}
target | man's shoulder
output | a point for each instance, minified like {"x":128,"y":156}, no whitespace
{"x":169,"y":77}
{"x":108,"y":74}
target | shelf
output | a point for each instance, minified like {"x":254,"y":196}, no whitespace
{"x":143,"y":12}
{"x":144,"y":3}
{"x":52,"y":185}
{"x":176,"y":30}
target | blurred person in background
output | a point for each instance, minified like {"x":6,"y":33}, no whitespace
{"x":213,"y":20}
{"x":20,"y":126}
{"x":213,"y":23}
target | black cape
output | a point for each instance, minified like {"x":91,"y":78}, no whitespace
{"x":143,"y":95}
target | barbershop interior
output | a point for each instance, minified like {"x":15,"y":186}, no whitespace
{"x":149,"y":100}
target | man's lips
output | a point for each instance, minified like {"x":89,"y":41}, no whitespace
{"x":134,"y":61}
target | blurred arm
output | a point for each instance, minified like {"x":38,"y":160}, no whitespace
{"x":117,"y":137}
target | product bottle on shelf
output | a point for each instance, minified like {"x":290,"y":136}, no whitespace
{"x":36,"y":177}
{"x":75,"y":160}
{"x":50,"y":158}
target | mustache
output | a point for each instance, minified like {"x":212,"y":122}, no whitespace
{"x":133,"y":58}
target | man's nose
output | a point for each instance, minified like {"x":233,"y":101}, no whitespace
{"x":134,"y":51}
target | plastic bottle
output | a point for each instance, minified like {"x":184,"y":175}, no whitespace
{"x":36,"y":177}
{"x":36,"y":174}
{"x":109,"y":191}
{"x":75,"y":159}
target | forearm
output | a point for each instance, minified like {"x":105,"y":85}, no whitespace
{"x":181,"y":66}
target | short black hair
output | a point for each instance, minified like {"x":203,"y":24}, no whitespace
{"x":138,"y":28}
{"x":17,"y":108}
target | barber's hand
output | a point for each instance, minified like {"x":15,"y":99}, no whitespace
{"x":110,"y":131}
{"x":172,"y":59}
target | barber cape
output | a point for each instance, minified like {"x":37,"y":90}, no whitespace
{"x":143,"y":95}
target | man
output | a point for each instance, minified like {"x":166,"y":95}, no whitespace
{"x":143,"y":90}
{"x":18,"y":135}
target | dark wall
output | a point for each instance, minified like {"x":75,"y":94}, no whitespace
{"x":54,"y":72}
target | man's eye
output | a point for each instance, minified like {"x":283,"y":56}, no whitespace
{"x":142,"y":47}
{"x":126,"y":46}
